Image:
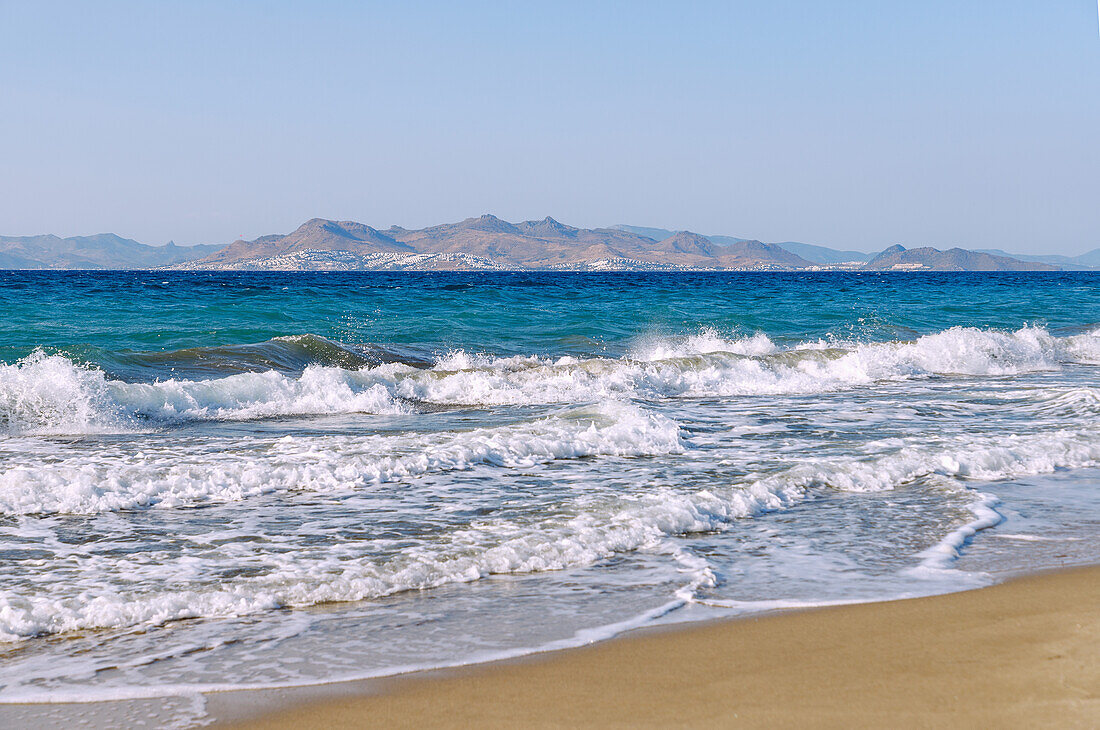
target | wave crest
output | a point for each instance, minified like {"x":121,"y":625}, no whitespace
{"x":110,"y":479}
{"x":48,"y":394}
{"x":710,"y":366}
{"x":51,"y":395}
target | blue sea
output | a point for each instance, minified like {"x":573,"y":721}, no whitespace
{"x":245,"y":480}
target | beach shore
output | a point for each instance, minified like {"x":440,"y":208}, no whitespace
{"x":1025,"y":653}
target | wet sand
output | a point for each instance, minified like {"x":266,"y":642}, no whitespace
{"x":1021,"y":654}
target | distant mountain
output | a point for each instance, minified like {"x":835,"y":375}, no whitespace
{"x":744,"y":254}
{"x":1084,"y":261}
{"x":316,"y":234}
{"x":548,"y":228}
{"x":102,"y":251}
{"x":1091,"y":258}
{"x":809,"y":252}
{"x":955,"y":259}
{"x":657,"y":234}
{"x":823,"y":255}
{"x":495,"y":243}
{"x":729,"y":240}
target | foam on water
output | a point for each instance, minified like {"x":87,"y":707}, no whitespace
{"x":942,"y":556}
{"x":110,"y":479}
{"x":580,"y":532}
{"x":705,"y":343}
{"x":709,"y":366}
{"x":48,"y":394}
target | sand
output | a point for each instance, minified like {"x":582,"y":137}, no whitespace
{"x":1021,"y":654}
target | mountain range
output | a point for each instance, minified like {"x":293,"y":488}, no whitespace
{"x":102,"y":251}
{"x":955,"y":259}
{"x":808,"y":251}
{"x":490,"y":243}
{"x":1084,"y":261}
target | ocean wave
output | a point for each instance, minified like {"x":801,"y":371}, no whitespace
{"x":290,"y":354}
{"x":710,"y":366}
{"x":577,"y":533}
{"x":706,"y":342}
{"x":48,"y":394}
{"x":284,"y":354}
{"x":117,"y":477}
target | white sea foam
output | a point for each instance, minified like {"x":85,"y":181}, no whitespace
{"x":48,"y":394}
{"x":579,"y":532}
{"x":708,"y":366}
{"x":113,"y":477}
{"x":706,"y":342}
{"x":941,"y":556}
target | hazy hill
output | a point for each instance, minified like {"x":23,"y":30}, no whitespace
{"x":101,"y":251}
{"x":688,"y":244}
{"x":1091,"y":258}
{"x":955,"y":259}
{"x":657,"y":234}
{"x":1087,"y":260}
{"x":823,"y":254}
{"x":743,"y":253}
{"x":809,"y":252}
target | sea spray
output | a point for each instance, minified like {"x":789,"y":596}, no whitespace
{"x":47,"y":394}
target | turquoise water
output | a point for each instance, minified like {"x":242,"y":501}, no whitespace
{"x":215,"y":480}
{"x":94,"y":315}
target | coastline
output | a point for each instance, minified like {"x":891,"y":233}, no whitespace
{"x":1017,"y":654}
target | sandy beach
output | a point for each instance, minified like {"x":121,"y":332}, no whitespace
{"x":1020,"y":654}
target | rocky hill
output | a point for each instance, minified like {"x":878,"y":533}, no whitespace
{"x":316,"y":234}
{"x":490,"y":241}
{"x":899,"y":258}
{"x":813,"y":254}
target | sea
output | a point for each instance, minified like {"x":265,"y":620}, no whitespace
{"x":228,"y":480}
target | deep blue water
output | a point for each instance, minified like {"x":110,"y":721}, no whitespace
{"x":514,"y":313}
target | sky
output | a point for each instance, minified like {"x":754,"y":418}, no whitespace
{"x":845,"y":124}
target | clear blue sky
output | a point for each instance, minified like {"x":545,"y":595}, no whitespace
{"x":848,"y":124}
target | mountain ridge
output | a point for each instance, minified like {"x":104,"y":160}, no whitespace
{"x":98,"y":251}
{"x":812,"y":253}
{"x":487,"y":242}
{"x":533,"y":244}
{"x":899,"y":258}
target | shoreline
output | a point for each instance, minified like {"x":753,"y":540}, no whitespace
{"x":1018,"y":653}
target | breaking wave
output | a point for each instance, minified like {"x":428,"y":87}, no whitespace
{"x":111,"y":478}
{"x":49,"y":394}
{"x":291,"y":355}
{"x":709,"y":366}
